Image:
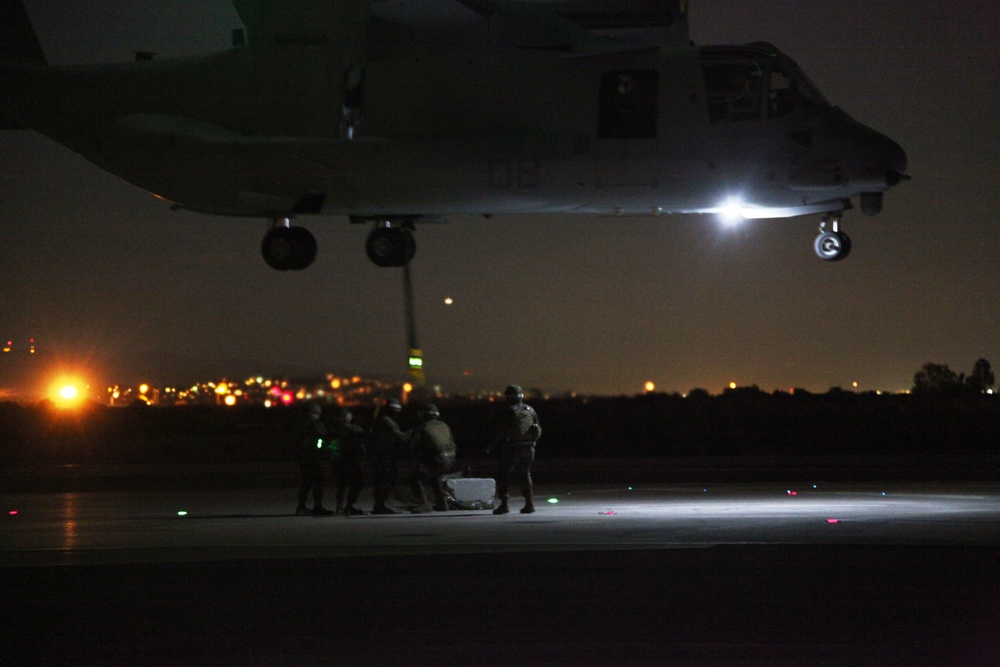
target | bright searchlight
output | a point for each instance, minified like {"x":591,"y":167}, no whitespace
{"x":731,"y":211}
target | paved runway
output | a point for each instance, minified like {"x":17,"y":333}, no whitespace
{"x":761,"y":574}
{"x":158,"y":526}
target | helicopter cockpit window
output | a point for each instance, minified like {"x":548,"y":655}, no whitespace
{"x":789,"y":91}
{"x":629,"y":102}
{"x":734,"y":89}
{"x":750,"y":85}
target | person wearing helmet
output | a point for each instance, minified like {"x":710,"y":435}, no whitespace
{"x":311,"y":454}
{"x":386,"y":440}
{"x":513,"y":439}
{"x":434,"y":449}
{"x":349,"y":465}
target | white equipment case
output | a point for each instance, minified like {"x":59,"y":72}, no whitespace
{"x":471,"y":493}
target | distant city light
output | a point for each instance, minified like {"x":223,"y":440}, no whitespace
{"x":448,"y":301}
{"x":650,"y":387}
{"x":732,"y":385}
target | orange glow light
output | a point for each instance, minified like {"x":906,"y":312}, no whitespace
{"x":68,"y":392}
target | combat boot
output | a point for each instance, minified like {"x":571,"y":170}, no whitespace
{"x":502,"y":509}
{"x":529,"y":506}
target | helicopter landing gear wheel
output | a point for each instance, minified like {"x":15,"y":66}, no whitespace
{"x":390,"y":246}
{"x":832,"y":245}
{"x":288,"y":248}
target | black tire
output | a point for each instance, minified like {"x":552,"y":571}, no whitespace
{"x":390,"y":246}
{"x":845,"y":249}
{"x":289,"y":248}
{"x":832,"y":246}
{"x":278,"y":249}
{"x":304,"y":248}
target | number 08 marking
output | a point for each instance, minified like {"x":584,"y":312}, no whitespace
{"x":505,"y":174}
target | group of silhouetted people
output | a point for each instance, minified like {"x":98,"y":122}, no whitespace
{"x":336,"y":450}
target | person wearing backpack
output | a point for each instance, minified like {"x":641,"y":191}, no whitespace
{"x":513,"y":438}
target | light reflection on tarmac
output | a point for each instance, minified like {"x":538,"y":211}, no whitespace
{"x":738,"y":574}
{"x":200,"y":526}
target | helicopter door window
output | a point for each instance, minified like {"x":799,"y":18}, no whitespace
{"x":733,"y":90}
{"x":629,"y":104}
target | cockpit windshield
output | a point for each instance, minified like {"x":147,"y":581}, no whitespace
{"x":754,"y":82}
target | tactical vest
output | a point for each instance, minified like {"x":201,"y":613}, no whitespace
{"x":522,"y":424}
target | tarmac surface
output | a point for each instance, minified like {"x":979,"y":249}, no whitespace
{"x":733,"y":574}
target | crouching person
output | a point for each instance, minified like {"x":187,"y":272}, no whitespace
{"x":434,"y":449}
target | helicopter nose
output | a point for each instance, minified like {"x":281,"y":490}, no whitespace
{"x":880,"y":160}
{"x":894,"y":159}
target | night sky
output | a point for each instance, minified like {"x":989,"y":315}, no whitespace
{"x":106,"y":277}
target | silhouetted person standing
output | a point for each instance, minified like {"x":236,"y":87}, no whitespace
{"x":513,"y":439}
{"x":311,"y":452}
{"x":348,"y":461}
{"x":386,"y":440}
{"x":434,"y":449}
